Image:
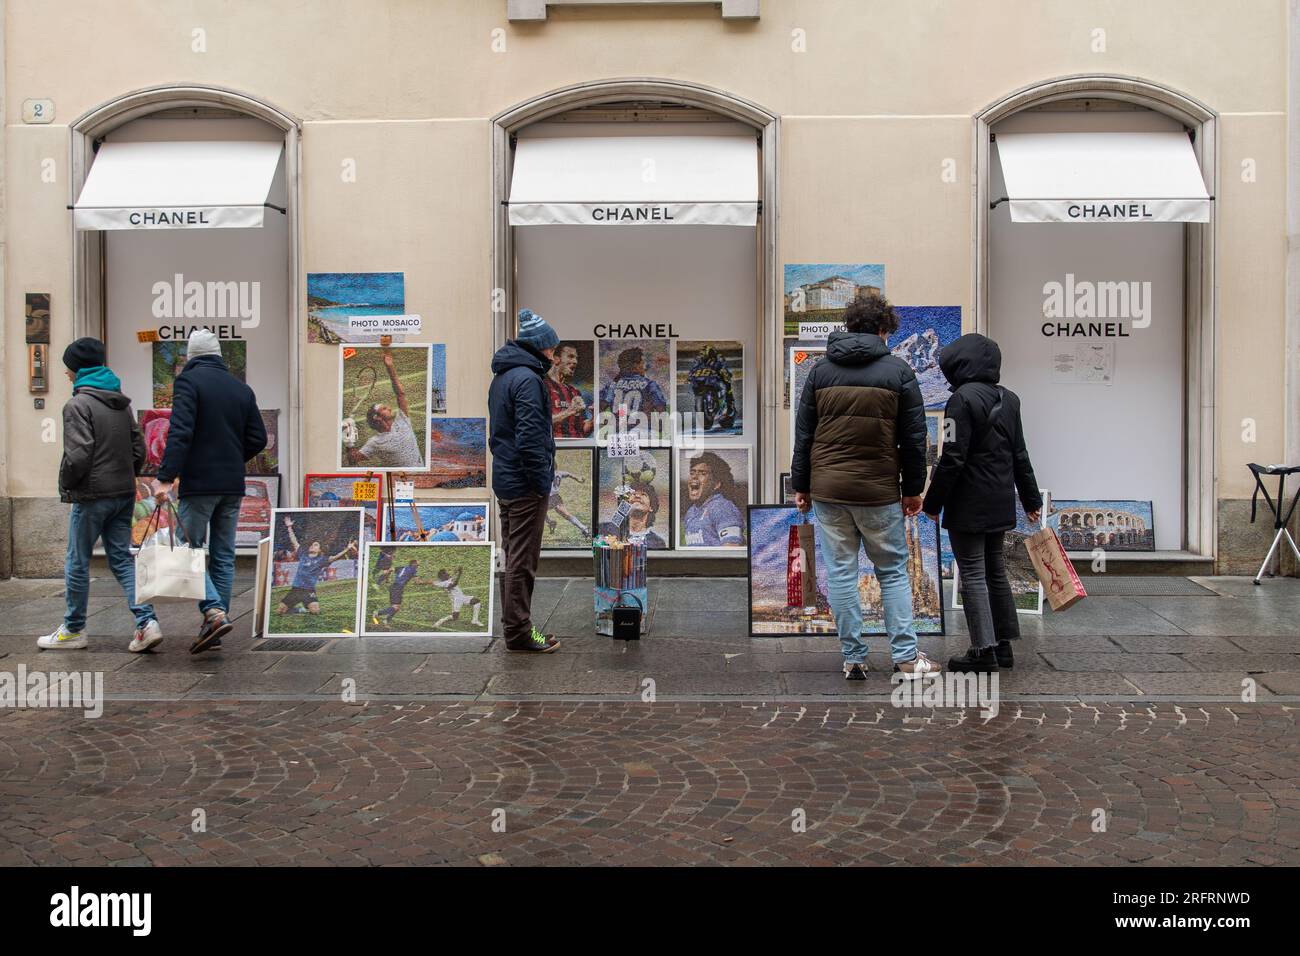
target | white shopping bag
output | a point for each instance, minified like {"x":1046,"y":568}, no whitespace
{"x":169,"y":571}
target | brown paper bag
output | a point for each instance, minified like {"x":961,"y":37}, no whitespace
{"x":808,"y":549}
{"x":1060,"y":581}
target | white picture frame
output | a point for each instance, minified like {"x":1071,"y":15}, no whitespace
{"x":957,"y":604}
{"x":795,"y":393}
{"x":268,"y":617}
{"x":681,"y":475}
{"x":369,"y":594}
{"x":349,"y":407}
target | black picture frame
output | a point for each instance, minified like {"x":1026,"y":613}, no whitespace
{"x":749,"y":584}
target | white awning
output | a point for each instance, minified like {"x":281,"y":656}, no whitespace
{"x":1102,"y":177}
{"x":635,"y":180}
{"x":188,"y":184}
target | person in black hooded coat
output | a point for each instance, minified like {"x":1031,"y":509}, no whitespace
{"x":983,"y":466}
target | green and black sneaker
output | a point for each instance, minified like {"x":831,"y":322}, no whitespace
{"x":537,"y":643}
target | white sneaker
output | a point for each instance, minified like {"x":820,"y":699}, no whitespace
{"x":146,"y":637}
{"x":917,"y":668}
{"x":62,"y":640}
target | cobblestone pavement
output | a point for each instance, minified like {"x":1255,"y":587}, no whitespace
{"x":1220,"y":639}
{"x":664,"y":783}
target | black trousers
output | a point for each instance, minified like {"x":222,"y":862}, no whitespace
{"x":522,"y":521}
{"x":985,"y":590}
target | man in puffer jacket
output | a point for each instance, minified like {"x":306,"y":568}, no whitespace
{"x":859,"y":464}
{"x":523,"y":470}
{"x":103,"y":451}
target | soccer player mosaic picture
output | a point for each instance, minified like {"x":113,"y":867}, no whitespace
{"x":314,"y":571}
{"x":384,"y":407}
{"x":428,"y":587}
{"x":712,"y":494}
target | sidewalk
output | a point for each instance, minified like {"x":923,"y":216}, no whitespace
{"x":1128,"y":642}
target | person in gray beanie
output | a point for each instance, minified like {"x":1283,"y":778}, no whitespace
{"x":523,"y":469}
{"x":215,"y":428}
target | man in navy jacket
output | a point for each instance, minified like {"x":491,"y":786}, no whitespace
{"x":523,"y":467}
{"x":215,"y":428}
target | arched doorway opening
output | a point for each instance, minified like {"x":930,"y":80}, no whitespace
{"x":1174,"y":375}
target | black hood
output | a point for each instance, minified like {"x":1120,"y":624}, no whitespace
{"x":855,"y":348}
{"x":972,"y":358}
{"x":514,"y":355}
{"x":114,"y":400}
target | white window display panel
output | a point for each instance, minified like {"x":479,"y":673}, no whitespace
{"x":1089,"y":439}
{"x":234,"y":280}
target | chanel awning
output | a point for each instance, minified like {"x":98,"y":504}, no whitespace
{"x":1102,"y":177}
{"x":189,"y":184}
{"x":635,"y":180}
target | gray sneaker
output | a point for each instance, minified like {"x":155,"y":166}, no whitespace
{"x":146,"y":638}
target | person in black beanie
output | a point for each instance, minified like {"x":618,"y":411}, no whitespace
{"x":103,"y":451}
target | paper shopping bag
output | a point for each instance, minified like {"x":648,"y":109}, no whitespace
{"x":169,"y":571}
{"x":1060,"y":581}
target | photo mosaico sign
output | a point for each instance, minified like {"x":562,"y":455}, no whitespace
{"x":335,"y":298}
{"x":423,"y":588}
{"x":1026,"y":589}
{"x":327,"y":490}
{"x":572,"y":504}
{"x":775,"y":606}
{"x":384,"y":400}
{"x":438,"y":521}
{"x":313,"y":585}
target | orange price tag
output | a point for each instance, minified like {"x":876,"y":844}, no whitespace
{"x":348,"y":353}
{"x":147,"y":335}
{"x":365,"y":491}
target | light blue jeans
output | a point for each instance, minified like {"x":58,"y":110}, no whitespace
{"x":110,"y":519}
{"x":842,"y":530}
{"x":213,"y":518}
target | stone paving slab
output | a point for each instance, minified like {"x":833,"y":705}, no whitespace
{"x":588,"y":684}
{"x":1117,"y":662}
{"x":670,"y":783}
{"x":1287,"y":684}
{"x":1252,"y":663}
{"x":1227,"y":684}
{"x":1174,"y":644}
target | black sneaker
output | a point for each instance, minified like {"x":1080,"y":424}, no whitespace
{"x":535,"y":643}
{"x":1006,"y":659}
{"x":981,"y":661}
{"x":215,"y":626}
{"x":855,"y":671}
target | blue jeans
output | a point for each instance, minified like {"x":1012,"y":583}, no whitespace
{"x":843,"y":529}
{"x":109,"y":518}
{"x":213,"y":518}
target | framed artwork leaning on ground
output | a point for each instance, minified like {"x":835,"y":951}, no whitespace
{"x":314,"y":572}
{"x":423,"y":588}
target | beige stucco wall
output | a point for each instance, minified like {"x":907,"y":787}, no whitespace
{"x":883,"y":94}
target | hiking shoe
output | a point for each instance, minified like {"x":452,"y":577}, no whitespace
{"x":917,"y":667}
{"x":1006,"y":659}
{"x":146,"y":638}
{"x":537,"y":643}
{"x":215,"y":625}
{"x":983,"y":660}
{"x":854,"y":671}
{"x":62,"y":640}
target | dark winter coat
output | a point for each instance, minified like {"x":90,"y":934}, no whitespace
{"x":519,"y":423}
{"x":103,"y":446}
{"x":215,"y":429}
{"x":982,"y":467}
{"x":860,"y":426}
